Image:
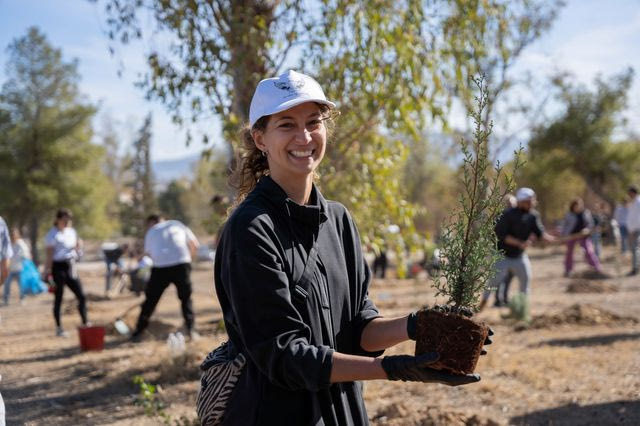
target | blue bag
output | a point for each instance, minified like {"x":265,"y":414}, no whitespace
{"x":30,"y":282}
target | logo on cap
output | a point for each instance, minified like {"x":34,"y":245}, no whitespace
{"x":291,"y":86}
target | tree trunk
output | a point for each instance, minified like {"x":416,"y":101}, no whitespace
{"x":248,"y":42}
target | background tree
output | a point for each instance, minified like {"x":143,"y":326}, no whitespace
{"x":46,"y":158}
{"x":171,"y":201}
{"x":143,"y":201}
{"x":116,"y":166}
{"x":392,"y":66}
{"x":206,"y":200}
{"x":580,"y":138}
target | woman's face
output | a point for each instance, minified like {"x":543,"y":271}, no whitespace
{"x":578,"y":207}
{"x":295,"y":141}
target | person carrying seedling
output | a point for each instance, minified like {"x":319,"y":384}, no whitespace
{"x":514,"y":230}
{"x":292,"y":282}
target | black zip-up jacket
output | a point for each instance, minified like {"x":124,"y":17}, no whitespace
{"x":287,"y":308}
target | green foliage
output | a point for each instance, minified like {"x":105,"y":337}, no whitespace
{"x":46,"y":158}
{"x":430,"y":181}
{"x":143,"y":197}
{"x":171,"y":201}
{"x":392,"y":66}
{"x":147,"y":398}
{"x":207,"y":199}
{"x":519,"y":308}
{"x":374,"y":165}
{"x":555,"y":184}
{"x":579,"y":139}
{"x":153,"y":407}
{"x":469,"y":244}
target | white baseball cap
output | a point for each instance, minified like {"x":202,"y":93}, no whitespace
{"x":277,"y":94}
{"x":524,"y":194}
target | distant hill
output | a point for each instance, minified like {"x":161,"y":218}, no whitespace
{"x":164,"y":171}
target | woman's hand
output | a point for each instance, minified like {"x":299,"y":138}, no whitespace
{"x":416,"y":369}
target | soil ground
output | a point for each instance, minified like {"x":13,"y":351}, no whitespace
{"x":578,"y":364}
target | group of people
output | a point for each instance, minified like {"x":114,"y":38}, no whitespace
{"x":627,"y":217}
{"x":169,"y":244}
{"x":519,"y":225}
{"x":290,"y":275}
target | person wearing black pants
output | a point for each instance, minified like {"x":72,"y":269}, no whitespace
{"x":63,"y":274}
{"x":63,"y":247}
{"x":158,"y":283}
{"x":170,"y":244}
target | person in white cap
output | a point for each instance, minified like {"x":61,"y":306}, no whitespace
{"x":292,"y":281}
{"x":514,"y":229}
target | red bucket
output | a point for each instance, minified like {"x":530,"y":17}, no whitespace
{"x":91,"y":337}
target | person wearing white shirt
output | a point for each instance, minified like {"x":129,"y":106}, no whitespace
{"x":63,"y":246}
{"x":21,"y":252}
{"x":171,"y":245}
{"x":633,"y":227}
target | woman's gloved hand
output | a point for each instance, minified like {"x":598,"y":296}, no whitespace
{"x":416,"y":369}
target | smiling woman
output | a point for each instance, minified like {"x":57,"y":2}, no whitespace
{"x":293,"y":283}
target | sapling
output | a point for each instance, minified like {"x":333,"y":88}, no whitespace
{"x":468,"y":253}
{"x":469,"y":243}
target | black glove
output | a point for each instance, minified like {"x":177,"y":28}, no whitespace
{"x":487,"y":341}
{"x":412,"y":320}
{"x":416,"y":369}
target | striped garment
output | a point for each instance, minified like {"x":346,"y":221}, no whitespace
{"x":219,"y":377}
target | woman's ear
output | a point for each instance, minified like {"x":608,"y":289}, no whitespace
{"x":258,"y":140}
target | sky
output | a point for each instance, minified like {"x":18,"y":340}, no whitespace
{"x":589,"y":38}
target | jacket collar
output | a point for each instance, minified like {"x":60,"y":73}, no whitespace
{"x":312,"y":214}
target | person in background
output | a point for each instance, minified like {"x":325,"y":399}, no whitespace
{"x":20,"y":253}
{"x":113,"y":253}
{"x":6,"y":252}
{"x":633,"y":226}
{"x":171,"y":246}
{"x":514,"y":230}
{"x":579,"y":222}
{"x":620,"y":216}
{"x":63,"y":250}
{"x":599,"y":226}
{"x":380,"y":264}
{"x":502,"y":292}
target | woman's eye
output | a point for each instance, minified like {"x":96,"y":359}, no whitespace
{"x":314,"y":123}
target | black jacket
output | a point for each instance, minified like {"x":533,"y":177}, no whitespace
{"x":519,"y":224}
{"x":288,"y":309}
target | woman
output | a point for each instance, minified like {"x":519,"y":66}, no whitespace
{"x":63,"y":247}
{"x":578,"y":222}
{"x":21,"y":253}
{"x":292,"y":281}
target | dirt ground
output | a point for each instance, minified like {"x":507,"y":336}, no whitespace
{"x":577,"y":364}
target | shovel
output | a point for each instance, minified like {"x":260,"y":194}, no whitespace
{"x":120,"y":326}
